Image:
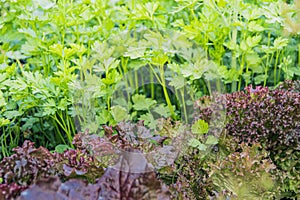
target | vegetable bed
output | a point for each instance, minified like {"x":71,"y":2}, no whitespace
{"x":158,"y":99}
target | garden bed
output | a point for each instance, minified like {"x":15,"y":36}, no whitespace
{"x":149,"y":100}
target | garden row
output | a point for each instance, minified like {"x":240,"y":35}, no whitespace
{"x":256,"y":156}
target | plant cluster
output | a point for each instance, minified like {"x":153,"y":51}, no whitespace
{"x":113,"y":179}
{"x":245,"y":175}
{"x":188,"y":177}
{"x":268,"y":117}
{"x":64,"y":60}
{"x":112,"y":185}
{"x":103,"y":167}
{"x":27,"y":164}
{"x":118,"y":67}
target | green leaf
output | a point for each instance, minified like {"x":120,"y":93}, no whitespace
{"x":61,"y":148}
{"x":197,"y":144}
{"x":253,"y":59}
{"x":232,"y":75}
{"x":140,"y":102}
{"x":149,"y":120}
{"x":162,"y":110}
{"x":4,"y":122}
{"x":136,"y":64}
{"x":211,"y":140}
{"x":200,"y":127}
{"x":56,"y":49}
{"x":155,"y":39}
{"x":27,"y":31}
{"x":111,"y":78}
{"x":2,"y":77}
{"x":177,"y":82}
{"x":110,"y":63}
{"x":202,"y":147}
{"x":69,"y":52}
{"x":12,"y":113}
{"x":2,"y":100}
{"x":231,"y":45}
{"x":45,"y":4}
{"x":243,"y":45}
{"x":178,"y":23}
{"x":29,"y":123}
{"x":280,"y":42}
{"x":120,"y":101}
{"x":194,"y":71}
{"x":135,"y":52}
{"x":145,"y":11}
{"x":258,"y":69}
{"x":119,"y":113}
{"x":179,"y":41}
{"x":247,"y":76}
{"x":16,"y":55}
{"x":159,"y":58}
{"x":104,"y":117}
{"x":295,"y":70}
{"x":63,"y":104}
{"x":259,"y":78}
{"x":194,"y":143}
{"x":212,"y":72}
{"x":92,"y":126}
{"x":49,"y":107}
{"x":266,"y":181}
{"x":253,"y":41}
{"x":253,"y":26}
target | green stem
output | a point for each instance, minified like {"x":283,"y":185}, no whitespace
{"x":176,"y":92}
{"x":267,"y":67}
{"x":162,"y":75}
{"x":108,"y":103}
{"x":162,"y":82}
{"x":209,"y":88}
{"x":241,"y":72}
{"x":157,"y":77}
{"x":168,"y":101}
{"x":152,"y":84}
{"x":124,"y":62}
{"x":184,"y":106}
{"x":58,"y":131}
{"x":4,"y":145}
{"x":279,"y":70}
{"x":64,"y":128}
{"x":219,"y":85}
{"x":247,"y":70}
{"x":204,"y":86}
{"x":234,"y":41}
{"x":298,"y":55}
{"x":275,"y":66}
{"x":68,"y":124}
{"x":143,"y":84}
{"x":136,"y":78}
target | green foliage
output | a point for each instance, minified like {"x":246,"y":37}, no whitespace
{"x":62,"y":61}
{"x":291,"y":14}
{"x":201,"y":141}
{"x":245,"y":175}
{"x":140,"y":102}
{"x":61,"y":148}
{"x":200,"y":127}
